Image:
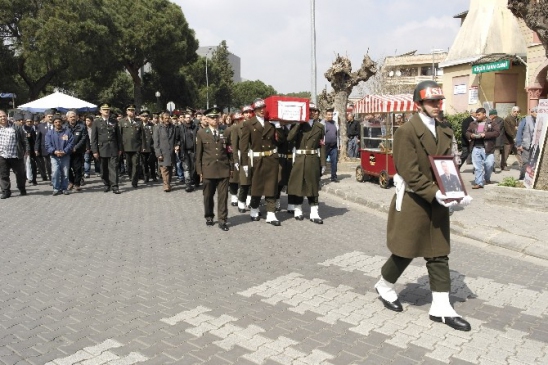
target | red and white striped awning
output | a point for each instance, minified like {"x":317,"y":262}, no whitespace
{"x":385,"y":104}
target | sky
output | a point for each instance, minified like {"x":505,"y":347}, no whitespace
{"x":273,"y":38}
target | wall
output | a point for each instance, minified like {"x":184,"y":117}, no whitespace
{"x":486,"y":84}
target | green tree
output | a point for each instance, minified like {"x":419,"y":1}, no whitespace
{"x":151,"y":31}
{"x":300,"y":94}
{"x":47,"y":38}
{"x":221,"y":80}
{"x":245,"y":92}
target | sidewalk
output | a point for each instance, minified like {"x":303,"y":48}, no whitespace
{"x":519,"y":230}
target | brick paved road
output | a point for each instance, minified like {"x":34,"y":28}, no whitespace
{"x":94,"y":278}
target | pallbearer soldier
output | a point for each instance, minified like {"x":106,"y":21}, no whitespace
{"x":231,"y":136}
{"x":133,"y":135}
{"x":148,"y":160}
{"x":308,"y":165}
{"x":214,"y":166}
{"x":418,"y":219}
{"x":285,"y":151}
{"x":106,"y":145}
{"x":244,"y":192}
{"x":258,"y":146}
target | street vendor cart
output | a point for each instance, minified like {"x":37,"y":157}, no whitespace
{"x":382,"y":115}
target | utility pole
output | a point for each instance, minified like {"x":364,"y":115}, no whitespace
{"x":314,"y":90}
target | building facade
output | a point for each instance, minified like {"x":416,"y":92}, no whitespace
{"x":494,"y":62}
{"x":234,"y":60}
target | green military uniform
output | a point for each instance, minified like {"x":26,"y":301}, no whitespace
{"x":309,"y":159}
{"x":418,"y":218}
{"x":133,"y":135}
{"x":231,"y":136}
{"x":262,"y":141}
{"x":285,"y":152}
{"x":214,"y":164}
{"x":107,"y":142}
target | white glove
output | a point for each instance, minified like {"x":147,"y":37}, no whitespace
{"x":246,"y":171}
{"x":323,"y":170}
{"x":236,"y":166}
{"x":276,"y":124}
{"x":466,"y":200}
{"x":440,"y":198}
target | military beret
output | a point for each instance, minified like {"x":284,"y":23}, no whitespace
{"x":258,"y":103}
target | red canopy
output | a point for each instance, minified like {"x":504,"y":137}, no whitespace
{"x":385,"y":104}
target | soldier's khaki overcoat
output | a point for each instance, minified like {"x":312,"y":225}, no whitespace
{"x":255,"y":137}
{"x":306,"y":171}
{"x":421,"y":228}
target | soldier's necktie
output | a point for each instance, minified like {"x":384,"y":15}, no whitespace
{"x":215,"y":135}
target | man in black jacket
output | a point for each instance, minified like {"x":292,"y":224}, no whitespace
{"x":187,"y":131}
{"x":30,"y":160}
{"x":80,"y":135}
{"x":353,"y":134}
{"x":466,"y":154}
{"x":42,"y":156}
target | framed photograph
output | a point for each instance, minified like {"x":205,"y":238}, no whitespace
{"x":448,"y":177}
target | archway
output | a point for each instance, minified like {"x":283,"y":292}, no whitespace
{"x":539,"y":88}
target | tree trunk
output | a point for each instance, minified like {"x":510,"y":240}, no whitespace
{"x":341,"y":99}
{"x":342,"y":81}
{"x":137,"y":85}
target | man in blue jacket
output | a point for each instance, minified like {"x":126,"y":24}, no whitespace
{"x":59,"y":144}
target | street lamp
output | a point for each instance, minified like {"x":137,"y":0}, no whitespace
{"x":207,"y":81}
{"x":157,"y":94}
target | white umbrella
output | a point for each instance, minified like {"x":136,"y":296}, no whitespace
{"x":59,"y":101}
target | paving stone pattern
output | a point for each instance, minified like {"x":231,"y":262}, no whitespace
{"x":138,"y":278}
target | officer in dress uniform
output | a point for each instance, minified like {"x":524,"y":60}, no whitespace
{"x":231,"y":135}
{"x":133,"y":135}
{"x":258,"y":146}
{"x":418,"y":219}
{"x":244,"y":191}
{"x":148,"y":163}
{"x":106,"y":145}
{"x":308,"y":165}
{"x":214,"y":166}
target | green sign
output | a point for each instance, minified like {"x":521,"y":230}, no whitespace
{"x":491,"y":66}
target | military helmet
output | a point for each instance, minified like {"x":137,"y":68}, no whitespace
{"x":428,"y":90}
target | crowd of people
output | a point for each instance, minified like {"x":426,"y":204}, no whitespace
{"x":240,"y":153}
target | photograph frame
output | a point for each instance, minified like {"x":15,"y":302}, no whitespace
{"x":453,"y":186}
